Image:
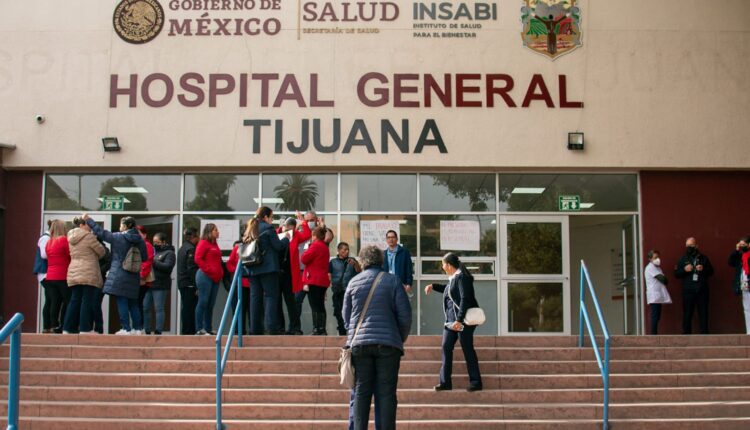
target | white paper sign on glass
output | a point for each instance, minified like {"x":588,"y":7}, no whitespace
{"x":459,"y":235}
{"x":373,"y":232}
{"x":229,"y":231}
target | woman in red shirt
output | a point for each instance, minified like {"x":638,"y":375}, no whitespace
{"x":210,"y":272}
{"x":317,"y":279}
{"x":58,"y":260}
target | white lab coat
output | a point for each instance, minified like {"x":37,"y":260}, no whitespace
{"x":656,"y":292}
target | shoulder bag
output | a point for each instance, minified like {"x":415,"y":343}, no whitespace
{"x":474,"y":316}
{"x":346,"y":370}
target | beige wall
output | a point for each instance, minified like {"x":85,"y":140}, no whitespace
{"x":665,"y":85}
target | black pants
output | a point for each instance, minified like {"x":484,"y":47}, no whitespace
{"x":287,"y":298}
{"x":60,"y":297}
{"x":655,"y":311}
{"x":46,"y":309}
{"x":338,"y":303}
{"x":264,"y":307}
{"x":376,"y":372}
{"x":317,"y":304}
{"x":189,"y":301}
{"x":691,"y":300}
{"x":470,"y":355}
{"x":245,"y":308}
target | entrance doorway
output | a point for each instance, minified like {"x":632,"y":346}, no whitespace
{"x":609,"y":246}
{"x":154,"y":223}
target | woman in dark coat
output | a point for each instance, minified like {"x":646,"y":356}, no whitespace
{"x":122,"y":285}
{"x":458,"y":297}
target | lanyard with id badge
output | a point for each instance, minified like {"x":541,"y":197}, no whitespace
{"x":696,"y":261}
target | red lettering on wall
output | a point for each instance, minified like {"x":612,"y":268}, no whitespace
{"x":462,"y":89}
{"x":399,"y":89}
{"x":537,"y":81}
{"x":501,"y":91}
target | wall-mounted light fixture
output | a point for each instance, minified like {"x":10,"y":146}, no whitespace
{"x":575,"y":141}
{"x":110,"y":144}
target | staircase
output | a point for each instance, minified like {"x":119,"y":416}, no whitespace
{"x":89,"y":382}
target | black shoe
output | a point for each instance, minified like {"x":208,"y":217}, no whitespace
{"x":297,"y":333}
{"x":157,"y":332}
{"x":473,"y":388}
{"x":441,"y":387}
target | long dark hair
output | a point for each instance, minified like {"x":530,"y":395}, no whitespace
{"x":252,"y":231}
{"x":453,"y":260}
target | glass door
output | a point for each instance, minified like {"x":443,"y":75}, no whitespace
{"x":535,"y":278}
{"x":102,"y":220}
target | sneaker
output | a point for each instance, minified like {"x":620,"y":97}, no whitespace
{"x":201,"y":332}
{"x":89,"y":332}
{"x":66,"y":332}
{"x":122,"y":332}
{"x":137,"y":332}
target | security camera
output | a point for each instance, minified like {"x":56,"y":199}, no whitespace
{"x":39,"y":119}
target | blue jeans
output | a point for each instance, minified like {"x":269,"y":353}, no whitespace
{"x":157,"y":298}
{"x":204,"y":311}
{"x":264,"y":302}
{"x":128,"y":308}
{"x":376,"y":372}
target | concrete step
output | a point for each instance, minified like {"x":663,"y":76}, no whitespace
{"x":103,"y":365}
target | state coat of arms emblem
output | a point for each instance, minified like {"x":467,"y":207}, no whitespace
{"x":551,"y":27}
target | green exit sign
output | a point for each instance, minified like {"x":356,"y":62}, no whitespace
{"x":113,"y":203}
{"x":569,"y":203}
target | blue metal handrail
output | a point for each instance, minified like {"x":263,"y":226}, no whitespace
{"x":13,"y":329}
{"x":221,"y":361}
{"x":584,"y":317}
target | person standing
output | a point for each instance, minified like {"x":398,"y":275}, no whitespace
{"x":147,"y":274}
{"x":104,"y":264}
{"x":739,"y":260}
{"x":58,"y":260}
{"x":342,"y":269}
{"x":156,"y":295}
{"x":458,"y":297}
{"x":121,"y":284}
{"x":397,"y":261}
{"x":84,"y":278}
{"x":264,"y":278}
{"x":186,"y":271}
{"x":289,"y":273}
{"x":311,"y":220}
{"x":379,"y":343}
{"x":656,"y":289}
{"x":300,"y":234}
{"x":210,"y":272}
{"x":694,"y":269}
{"x":316,"y":279}
{"x":40,"y":270}
{"x":232,"y":265}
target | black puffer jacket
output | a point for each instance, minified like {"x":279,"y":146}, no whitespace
{"x":164,"y":261}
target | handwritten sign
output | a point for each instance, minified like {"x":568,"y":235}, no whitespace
{"x":373,"y":232}
{"x":229,"y":231}
{"x":459,"y":235}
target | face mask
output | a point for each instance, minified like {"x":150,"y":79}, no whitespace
{"x":657,"y":262}
{"x":311,"y":224}
{"x":743,"y":248}
{"x":691,"y":250}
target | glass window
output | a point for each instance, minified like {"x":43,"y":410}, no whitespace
{"x":407,"y":226}
{"x":379,"y":192}
{"x":433,"y":246}
{"x":221,"y":192}
{"x":435,"y":267}
{"x":432,"y":316}
{"x":141,"y":192}
{"x":62,"y":192}
{"x":300,"y":191}
{"x":535,"y":248}
{"x":540,"y":193}
{"x":457,"y":192}
{"x":535,"y":307}
{"x":194,"y":221}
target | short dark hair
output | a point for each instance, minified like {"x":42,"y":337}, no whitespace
{"x":161,"y":236}
{"x":745,"y":239}
{"x":391,"y":231}
{"x":342,"y":244}
{"x":319,"y":233}
{"x":128,"y":222}
{"x":78,"y":221}
{"x":651,"y":253}
{"x":189,"y":232}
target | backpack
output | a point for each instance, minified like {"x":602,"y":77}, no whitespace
{"x":132,"y":261}
{"x":251,"y":254}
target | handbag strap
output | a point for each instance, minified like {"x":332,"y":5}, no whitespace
{"x":367,"y":304}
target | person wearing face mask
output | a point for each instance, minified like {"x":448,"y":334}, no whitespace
{"x":312,"y":221}
{"x":694,"y":269}
{"x":656,"y":289}
{"x":739,"y":260}
{"x":156,"y":296}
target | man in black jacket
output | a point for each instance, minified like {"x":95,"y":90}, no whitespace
{"x":694,"y":269}
{"x":186,"y":270}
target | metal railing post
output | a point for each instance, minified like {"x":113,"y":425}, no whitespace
{"x":14,"y":378}
{"x":219,"y":425}
{"x":581,"y":305}
{"x":240,"y":310}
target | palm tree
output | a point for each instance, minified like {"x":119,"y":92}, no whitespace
{"x":298,"y":193}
